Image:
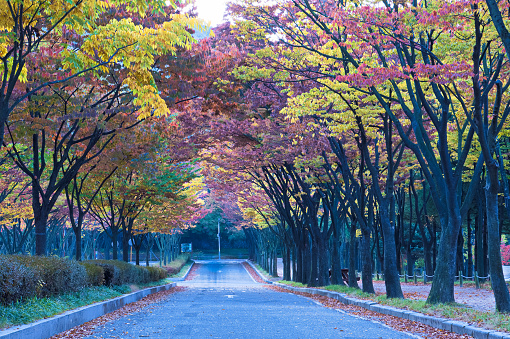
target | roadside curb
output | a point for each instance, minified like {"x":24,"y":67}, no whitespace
{"x":455,"y":326}
{"x":459,"y":327}
{"x":258,"y":272}
{"x":186,"y":274}
{"x":46,"y":328}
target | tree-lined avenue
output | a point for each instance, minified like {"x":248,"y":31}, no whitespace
{"x":223,"y":301}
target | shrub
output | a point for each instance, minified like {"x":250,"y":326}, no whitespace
{"x":176,"y":265}
{"x":143,"y":274}
{"x":129,"y":274}
{"x":170,"y":270}
{"x":95,"y":274}
{"x":110,"y":271}
{"x":54,"y":275}
{"x":118,"y":272}
{"x":156,"y":273}
{"x":17,"y":281}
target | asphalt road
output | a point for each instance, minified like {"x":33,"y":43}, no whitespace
{"x":223,"y":301}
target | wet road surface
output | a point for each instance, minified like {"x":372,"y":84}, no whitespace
{"x":223,"y":301}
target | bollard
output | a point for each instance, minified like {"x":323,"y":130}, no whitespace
{"x":460,"y":278}
{"x":477,"y":281}
{"x":415,"y":278}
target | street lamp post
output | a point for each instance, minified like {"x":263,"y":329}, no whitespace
{"x":219,"y":240}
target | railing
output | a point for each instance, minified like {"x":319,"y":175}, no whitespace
{"x":427,"y":278}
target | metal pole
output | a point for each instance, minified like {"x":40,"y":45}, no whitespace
{"x":219,"y":240}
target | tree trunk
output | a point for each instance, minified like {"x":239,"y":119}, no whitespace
{"x":314,"y":273}
{"x":336,"y":265}
{"x":77,"y":235}
{"x":115,"y":252}
{"x":442,"y":290}
{"x":287,"y":264}
{"x":40,"y":221}
{"x":493,"y":239}
{"x":323,"y":269}
{"x":275,"y":263}
{"x":469,"y":247}
{"x":391,"y":277}
{"x":352,"y":257}
{"x":137,"y":255}
{"x":366,"y":257}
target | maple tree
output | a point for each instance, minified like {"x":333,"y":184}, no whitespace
{"x":86,"y":43}
{"x":106,"y":91}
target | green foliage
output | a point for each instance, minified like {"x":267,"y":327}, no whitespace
{"x":156,"y":273}
{"x":118,"y":272}
{"x":17,"y":281}
{"x":204,"y":234}
{"x":95,"y":274}
{"x":176,"y":265}
{"x":111,"y":272}
{"x":54,"y":275}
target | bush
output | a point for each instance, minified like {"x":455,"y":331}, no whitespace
{"x":54,"y":275}
{"x":118,"y":272}
{"x":95,"y":274}
{"x":129,"y":274}
{"x":176,"y":265}
{"x":110,"y":271}
{"x":156,"y":273}
{"x":17,"y":281}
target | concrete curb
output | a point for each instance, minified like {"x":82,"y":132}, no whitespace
{"x":46,"y":328}
{"x":186,"y":274}
{"x":258,"y":272}
{"x":459,"y":327}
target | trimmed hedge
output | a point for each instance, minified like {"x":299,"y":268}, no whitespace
{"x":54,"y":275}
{"x":17,"y":282}
{"x":118,"y":272}
{"x":23,"y":276}
{"x":95,"y":274}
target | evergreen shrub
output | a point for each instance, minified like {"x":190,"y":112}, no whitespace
{"x":17,"y":281}
{"x":95,"y":274}
{"x":54,"y":275}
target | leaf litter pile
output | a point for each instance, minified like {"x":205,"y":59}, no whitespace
{"x":87,"y":328}
{"x":399,"y":324}
{"x":253,"y":274}
{"x":192,"y":274}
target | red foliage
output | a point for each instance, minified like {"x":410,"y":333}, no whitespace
{"x":505,"y":254}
